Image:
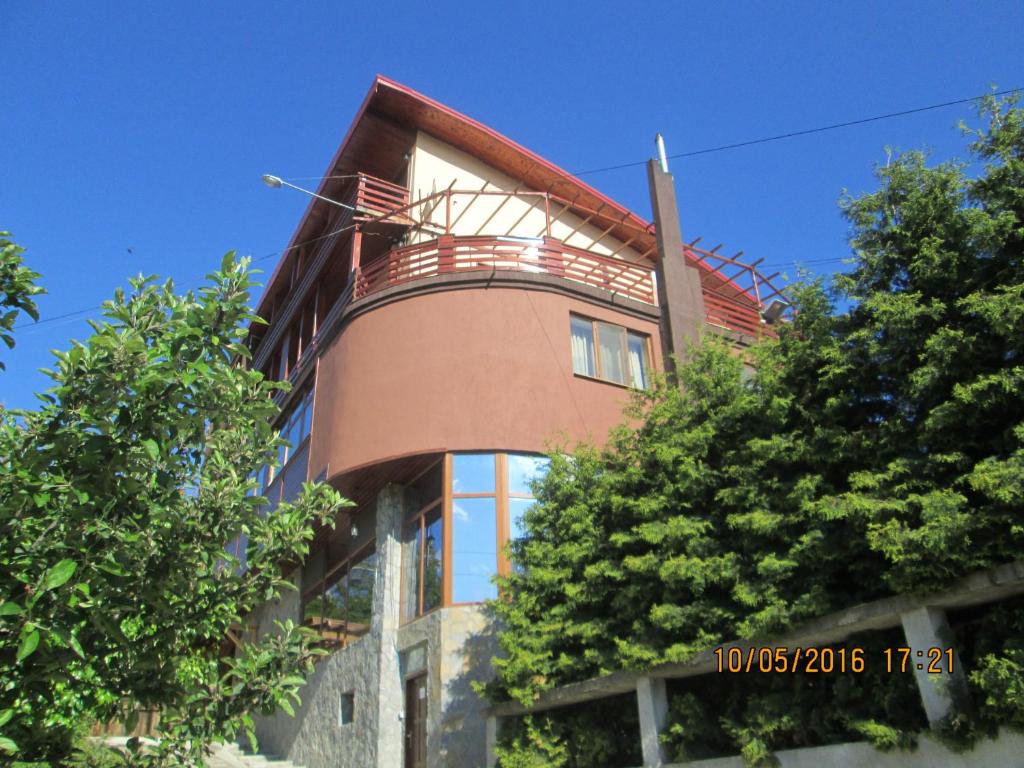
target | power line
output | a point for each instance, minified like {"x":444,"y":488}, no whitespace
{"x":803,"y":132}
{"x":677,"y":156}
{"x":189,"y":281}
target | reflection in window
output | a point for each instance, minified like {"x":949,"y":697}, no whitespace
{"x":340,"y":606}
{"x":473,"y":473}
{"x":474,"y":549}
{"x":478,"y":514}
{"x":284,"y":482}
{"x":523,"y":471}
{"x":422,"y":553}
{"x":516,"y":512}
{"x":619,"y":355}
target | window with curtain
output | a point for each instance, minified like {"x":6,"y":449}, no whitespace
{"x":610,"y":352}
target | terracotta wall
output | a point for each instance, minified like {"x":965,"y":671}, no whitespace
{"x":478,"y":368}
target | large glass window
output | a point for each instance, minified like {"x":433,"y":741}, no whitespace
{"x":422,"y":558}
{"x":610,"y":352}
{"x":473,"y":504}
{"x":474,"y":549}
{"x":284,"y":482}
{"x":423,"y":545}
{"x":339,"y":607}
{"x":490,"y":495}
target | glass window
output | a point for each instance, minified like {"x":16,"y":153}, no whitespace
{"x":523,"y":470}
{"x":582,"y":331}
{"x":294,"y":475}
{"x":516,"y":511}
{"x":637,"y":360}
{"x":422,"y":573}
{"x":433,"y":547}
{"x":611,"y":340}
{"x":473,"y":473}
{"x":361,"y":581}
{"x":340,"y":606}
{"x":474,"y":549}
{"x":620,"y":356}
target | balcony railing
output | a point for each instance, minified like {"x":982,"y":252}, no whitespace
{"x":377,"y":197}
{"x":459,"y":255}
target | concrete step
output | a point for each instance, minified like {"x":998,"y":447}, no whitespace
{"x":231,"y":756}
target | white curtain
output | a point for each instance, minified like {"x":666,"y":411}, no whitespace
{"x":637,"y":363}
{"x":583,"y":348}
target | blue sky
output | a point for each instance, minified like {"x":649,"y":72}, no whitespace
{"x":133,"y":136}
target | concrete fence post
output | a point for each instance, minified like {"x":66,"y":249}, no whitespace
{"x":493,"y":729}
{"x":930,"y":640}
{"x":652,"y":702}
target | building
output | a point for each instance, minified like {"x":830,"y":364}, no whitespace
{"x":449,"y":306}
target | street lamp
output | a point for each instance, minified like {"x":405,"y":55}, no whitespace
{"x":276,"y":182}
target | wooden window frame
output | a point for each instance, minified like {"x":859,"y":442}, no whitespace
{"x":502,"y":510}
{"x":319,"y":589}
{"x":596,"y":338}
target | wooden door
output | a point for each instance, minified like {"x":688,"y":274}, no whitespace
{"x":416,"y":722}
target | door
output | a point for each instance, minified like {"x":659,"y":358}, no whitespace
{"x":416,"y":722}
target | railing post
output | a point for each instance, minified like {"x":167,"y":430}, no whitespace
{"x":493,"y":731}
{"x":557,"y":258}
{"x":943,"y":693}
{"x":652,"y":702}
{"x":445,"y":254}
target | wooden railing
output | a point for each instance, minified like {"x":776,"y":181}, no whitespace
{"x":378,"y":197}
{"x":457,"y":255}
{"x":734,"y":314}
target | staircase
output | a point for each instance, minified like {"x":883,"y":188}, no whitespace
{"x":230,"y":756}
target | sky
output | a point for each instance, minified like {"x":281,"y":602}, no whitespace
{"x":133,"y":136}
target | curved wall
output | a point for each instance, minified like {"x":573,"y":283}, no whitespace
{"x":468,"y":368}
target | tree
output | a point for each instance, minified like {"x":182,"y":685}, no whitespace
{"x":878,"y":449}
{"x":118,"y":497}
{"x":17,"y":287}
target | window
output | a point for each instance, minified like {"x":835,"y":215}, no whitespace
{"x":609,"y":352}
{"x":490,"y":495}
{"x":340,"y":606}
{"x":284,"y":482}
{"x":347,"y":708}
{"x":467,"y":508}
{"x":423,"y":546}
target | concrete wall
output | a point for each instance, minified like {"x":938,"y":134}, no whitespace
{"x":471,"y":369}
{"x":1005,"y":752}
{"x":435,"y":165}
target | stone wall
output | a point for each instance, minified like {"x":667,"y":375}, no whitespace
{"x":453,"y":646}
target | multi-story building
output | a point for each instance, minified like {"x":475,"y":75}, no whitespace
{"x":450,"y":307}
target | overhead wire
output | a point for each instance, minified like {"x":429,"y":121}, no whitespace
{"x":804,"y":132}
{"x":679,"y":155}
{"x":189,"y":281}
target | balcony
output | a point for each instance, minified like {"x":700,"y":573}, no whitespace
{"x":458,"y":255}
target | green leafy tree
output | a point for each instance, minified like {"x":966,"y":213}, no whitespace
{"x":878,"y":449}
{"x":117,"y":499}
{"x":17,"y":287}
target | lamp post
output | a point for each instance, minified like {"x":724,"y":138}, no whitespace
{"x":276,"y":182}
